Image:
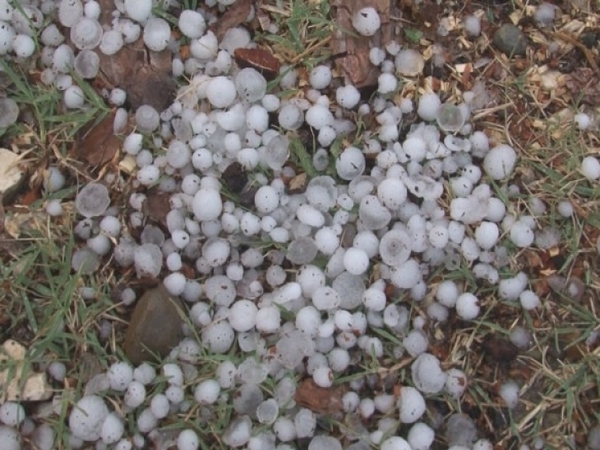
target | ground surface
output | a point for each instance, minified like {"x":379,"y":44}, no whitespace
{"x":530,"y":103}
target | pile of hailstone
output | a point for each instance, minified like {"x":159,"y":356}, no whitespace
{"x":373,"y":209}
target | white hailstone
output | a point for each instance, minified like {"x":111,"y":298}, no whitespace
{"x":112,"y":429}
{"x":23,"y":46}
{"x":486,"y":235}
{"x":138,"y":10}
{"x":305,"y":422}
{"x":175,"y":394}
{"x":356,"y":261}
{"x":582,"y":121}
{"x":192,"y":24}
{"x":207,"y":392}
{"x":386,"y":83}
{"x":392,"y":192}
{"x":520,"y":337}
{"x":111,"y":226}
{"x":438,"y":236}
{"x":238,"y":432}
{"x":427,"y":375}
{"x":509,"y":392}
{"x":500,"y":161}
{"x":218,"y":337}
{"x":74,"y":97}
{"x":521,"y":234}
{"x":86,"y":34}
{"x":250,"y":84}
{"x":221,"y":92}
{"x":290,"y":117}
{"x":339,"y":359}
{"x":54,"y":208}
{"x":146,"y":421}
{"x":429,"y":105}
{"x":100,"y":244}
{"x":484,"y":444}
{"x":467,"y":306}
{"x":326,"y":298}
{"x":257,"y":118}
{"x":135,"y":394}
{"x":180,"y":238}
{"x":590,"y":168}
{"x":284,"y":429}
{"x":395,"y":247}
{"x":415,"y":342}
{"x":319,"y":116}
{"x":188,"y":440}
{"x":320,"y":77}
{"x":472,"y":25}
{"x":242,"y":315}
{"x":57,"y":370}
{"x":173,"y":374}
{"x":120,"y":374}
{"x":544,"y":14}
{"x":148,"y":260}
{"x":157,"y":34}
{"x":266,"y":199}
{"x":268,"y":319}
{"x":87,"y":417}
{"x":511,"y":288}
{"x":308,"y":320}
{"x":347,"y":96}
{"x":406,"y":275}
{"x":565,"y":208}
{"x":178,"y":154}
{"x":395,"y":443}
{"x":529,"y":300}
{"x":456,"y":382}
{"x":144,"y":373}
{"x":411,"y":404}
{"x":174,"y":283}
{"x":323,"y":376}
{"x":10,"y":438}
{"x":147,"y":118}
{"x":366,"y":21}
{"x":132,"y":144}
{"x":420,"y":436}
{"x":207,"y":204}
{"x":12,"y":414}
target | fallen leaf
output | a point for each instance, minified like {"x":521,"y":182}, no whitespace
{"x":259,"y":59}
{"x":235,"y":15}
{"x":320,"y":400}
{"x":97,"y":144}
{"x":157,"y":206}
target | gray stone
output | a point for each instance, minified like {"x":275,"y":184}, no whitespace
{"x":155,"y":326}
{"x":510,"y":40}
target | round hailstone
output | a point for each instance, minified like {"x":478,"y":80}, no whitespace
{"x":392,"y":192}
{"x":138,"y":10}
{"x":500,"y":161}
{"x":92,"y":200}
{"x":366,"y":21}
{"x":221,"y":92}
{"x":420,"y":436}
{"x":356,"y":261}
{"x":86,"y":34}
{"x":372,"y":214}
{"x":10,"y":438}
{"x":120,"y":374}
{"x":112,"y":429}
{"x":544,"y":14}
{"x":319,"y":116}
{"x":192,"y":24}
{"x":218,"y":337}
{"x":509,"y":392}
{"x":411,"y":404}
{"x":472,"y":25}
{"x":467,"y":306}
{"x":147,"y":118}
{"x":135,"y":394}
{"x":250,"y":84}
{"x":450,"y":118}
{"x":23,"y":46}
{"x":427,"y":375}
{"x":456,"y":382}
{"x":410,"y":63}
{"x":9,"y":112}
{"x":207,"y":204}
{"x":148,"y":260}
{"x":395,"y":247}
{"x":429,"y":106}
{"x":521,"y":234}
{"x":582,"y":121}
{"x":324,"y":443}
{"x":12,"y":414}
{"x":320,"y":77}
{"x":74,"y":97}
{"x":386,"y":83}
{"x":242,"y":315}
{"x":7,"y":34}
{"x":290,"y":117}
{"x":69,"y":12}
{"x":238,"y":432}
{"x":87,"y":64}
{"x":486,"y":235}
{"x":395,"y":443}
{"x":157,"y":34}
{"x":87,"y":417}
{"x":188,"y":440}
{"x":112,"y":42}
{"x":347,"y":96}
{"x":590,"y":168}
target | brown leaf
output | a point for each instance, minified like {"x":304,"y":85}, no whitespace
{"x":235,"y":15}
{"x":97,"y":145}
{"x":499,"y":350}
{"x":157,"y":206}
{"x":352,"y":51}
{"x":318,"y":399}
{"x":259,"y":59}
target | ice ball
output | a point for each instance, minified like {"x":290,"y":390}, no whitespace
{"x":112,"y":429}
{"x":112,"y":42}
{"x":87,"y":417}
{"x":218,"y":337}
{"x":427,"y":374}
{"x":472,"y":25}
{"x":207,"y":204}
{"x":157,"y":33}
{"x":238,"y":432}
{"x":420,"y":436}
{"x":500,"y":161}
{"x":590,"y":168}
{"x":410,"y":63}
{"x":138,"y":10}
{"x":92,"y":200}
{"x":347,"y":96}
{"x":242,"y":315}
{"x":429,"y":106}
{"x":250,"y":84}
{"x":411,"y":404}
{"x":467,"y":306}
{"x":86,"y":34}
{"x":192,"y":24}
{"x":509,"y":392}
{"x":450,"y":118}
{"x":221,"y":92}
{"x":320,"y":77}
{"x":148,"y":260}
{"x":10,"y":438}
{"x":366,"y":21}
{"x":188,"y":440}
{"x":70,"y":12}
{"x":87,"y":64}
{"x":147,"y":118}
{"x":12,"y":414}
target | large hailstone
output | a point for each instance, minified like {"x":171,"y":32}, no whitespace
{"x":500,"y":162}
{"x":411,"y":404}
{"x":87,"y":418}
{"x":366,"y":21}
{"x":427,"y":374}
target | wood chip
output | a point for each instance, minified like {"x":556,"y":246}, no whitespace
{"x":18,"y":383}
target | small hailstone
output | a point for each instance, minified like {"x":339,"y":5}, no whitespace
{"x":582,"y":121}
{"x":472,"y":25}
{"x":74,"y":97}
{"x":456,"y":382}
{"x":146,"y":421}
{"x":366,"y":21}
{"x":221,"y":92}
{"x":429,"y":105}
{"x":509,"y":392}
{"x":427,"y":374}
{"x":323,"y":377}
{"x":467,"y":306}
{"x":500,"y":161}
{"x":486,"y":235}
{"x":112,"y":429}
{"x":410,"y":63}
{"x":420,"y":436}
{"x":590,"y":168}
{"x":192,"y":24}
{"x":92,"y":200}
{"x":135,"y":394}
{"x":87,"y":417}
{"x":395,"y":443}
{"x":12,"y":414}
{"x":529,"y":300}
{"x":188,"y":440}
{"x":356,"y":261}
{"x":544,"y":14}
{"x":521,"y":234}
{"x":147,"y":118}
{"x":565,"y":208}
{"x":120,"y":374}
{"x":386,"y":83}
{"x":175,"y":283}
{"x":347,"y":96}
{"x":320,"y":77}
{"x":207,"y":204}
{"x":242,"y":315}
{"x":411,"y":404}
{"x":318,"y":116}
{"x":54,"y":208}
{"x":290,"y":117}
{"x":23,"y":46}
{"x":157,"y":33}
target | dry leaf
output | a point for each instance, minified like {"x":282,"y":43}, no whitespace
{"x":97,"y":145}
{"x":259,"y":59}
{"x":318,"y":399}
{"x":235,"y":15}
